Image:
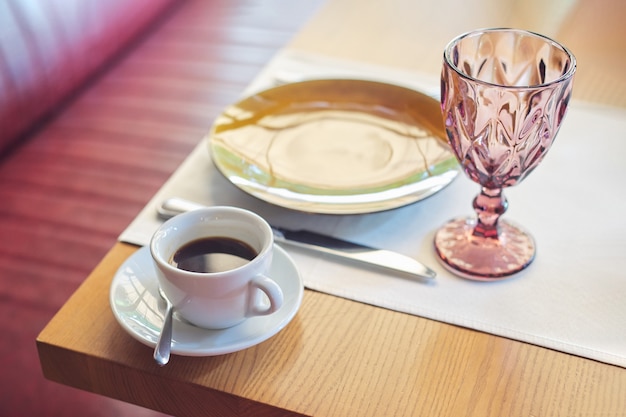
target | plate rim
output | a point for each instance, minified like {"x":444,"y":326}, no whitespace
{"x":285,"y":198}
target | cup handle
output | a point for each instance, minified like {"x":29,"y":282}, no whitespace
{"x":273,"y":292}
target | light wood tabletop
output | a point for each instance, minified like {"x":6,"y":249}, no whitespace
{"x":412,"y":34}
{"x":342,"y":358}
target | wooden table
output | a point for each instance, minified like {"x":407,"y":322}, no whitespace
{"x":342,"y":358}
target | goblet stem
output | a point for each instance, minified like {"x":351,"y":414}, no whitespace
{"x":485,"y":247}
{"x":489,"y":205}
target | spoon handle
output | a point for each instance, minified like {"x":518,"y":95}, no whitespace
{"x":164,"y":344}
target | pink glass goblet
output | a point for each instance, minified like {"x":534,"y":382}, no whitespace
{"x":504,"y":94}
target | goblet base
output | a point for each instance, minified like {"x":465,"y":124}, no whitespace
{"x":483,"y":258}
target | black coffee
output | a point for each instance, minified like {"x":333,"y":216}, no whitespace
{"x":213,"y":254}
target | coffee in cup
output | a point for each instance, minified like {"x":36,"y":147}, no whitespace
{"x":213,"y":265}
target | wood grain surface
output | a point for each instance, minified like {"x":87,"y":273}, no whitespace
{"x":412,"y":35}
{"x":336,"y":358}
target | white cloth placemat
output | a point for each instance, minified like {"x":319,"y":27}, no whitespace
{"x":572,"y":298}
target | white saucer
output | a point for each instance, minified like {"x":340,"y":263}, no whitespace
{"x":138,"y":308}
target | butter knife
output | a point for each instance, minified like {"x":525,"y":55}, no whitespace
{"x":365,"y":255}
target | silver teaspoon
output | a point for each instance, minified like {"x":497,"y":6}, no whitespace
{"x":164,"y":344}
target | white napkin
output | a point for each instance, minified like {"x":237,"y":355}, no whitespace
{"x":572,"y":298}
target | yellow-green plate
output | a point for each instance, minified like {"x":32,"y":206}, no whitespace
{"x":334,"y":146}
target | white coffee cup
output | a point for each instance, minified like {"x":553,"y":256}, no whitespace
{"x":223,"y":298}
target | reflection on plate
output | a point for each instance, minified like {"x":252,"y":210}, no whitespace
{"x":334,"y":146}
{"x":138,"y":308}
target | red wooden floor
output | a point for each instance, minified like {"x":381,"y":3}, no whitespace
{"x":74,"y":186}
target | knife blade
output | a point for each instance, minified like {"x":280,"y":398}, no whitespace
{"x":315,"y":242}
